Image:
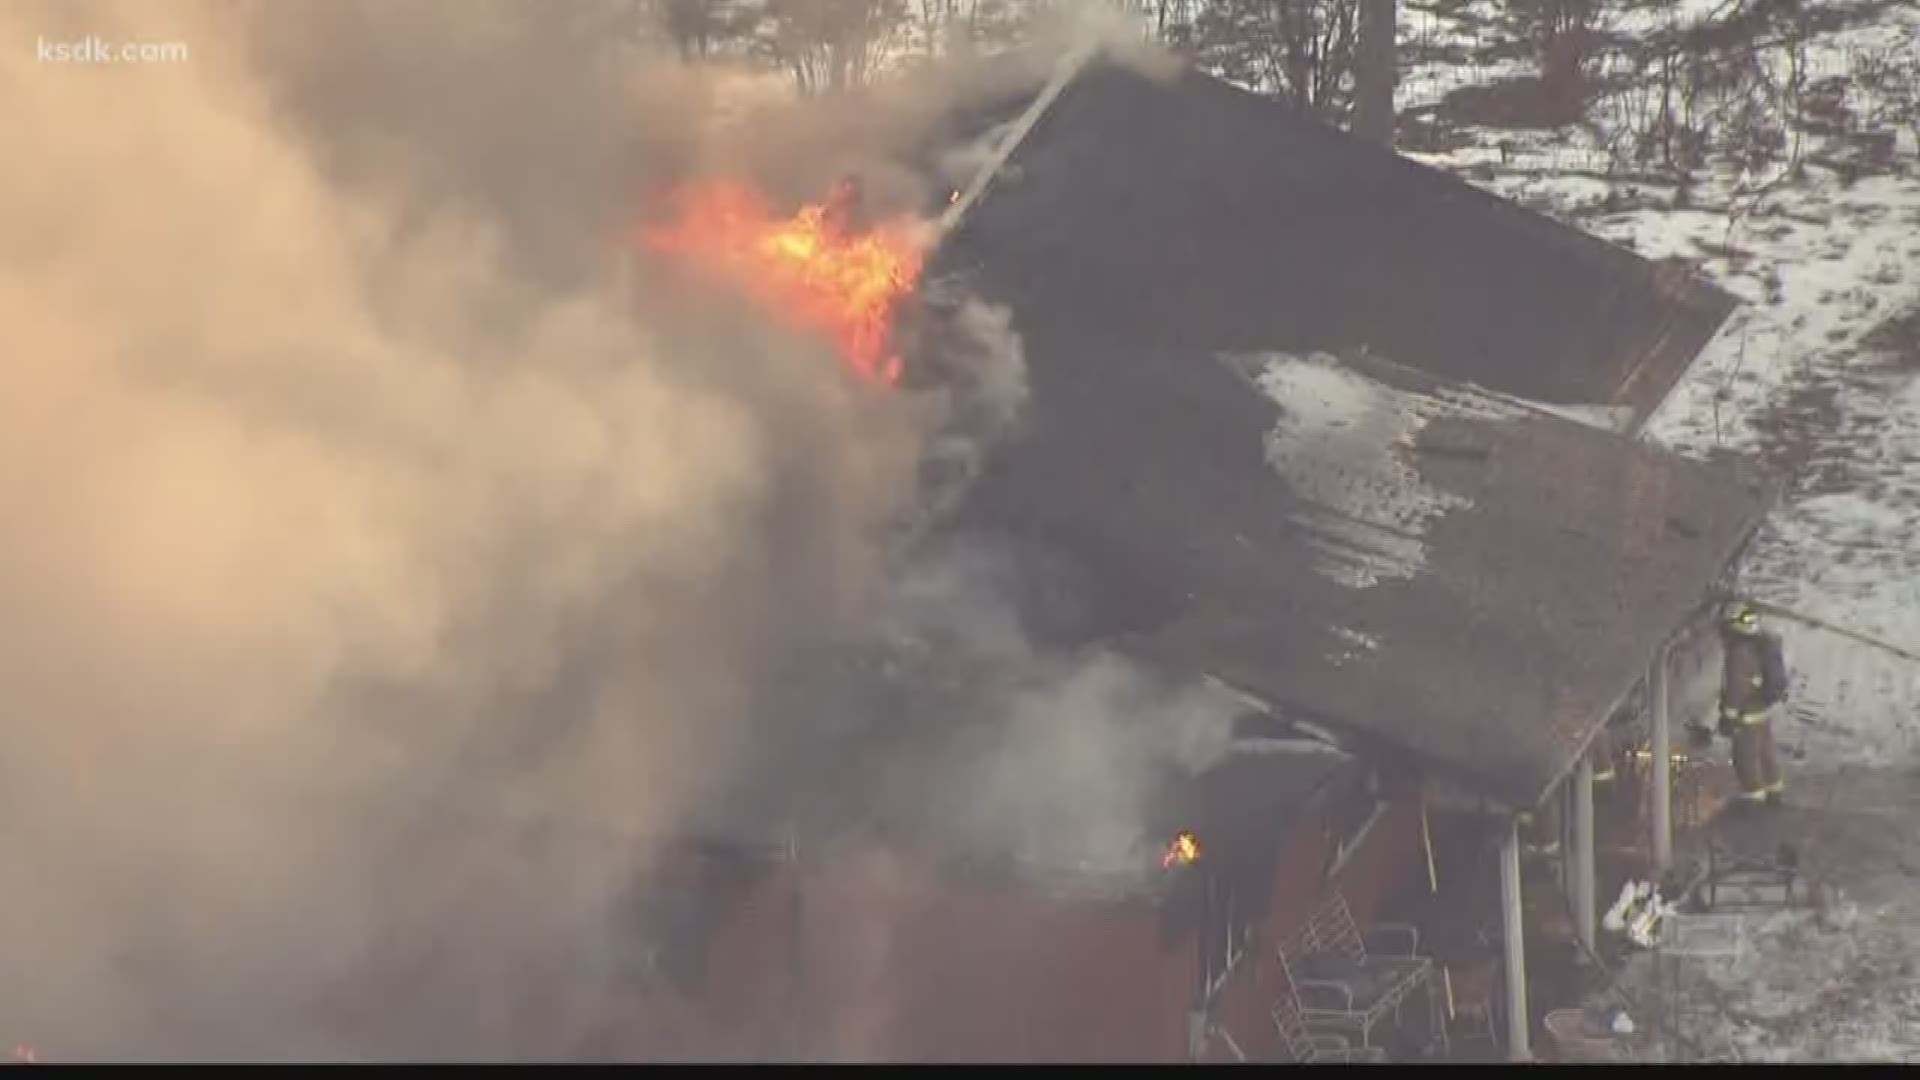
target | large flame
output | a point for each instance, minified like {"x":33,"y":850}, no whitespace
{"x":813,"y":269}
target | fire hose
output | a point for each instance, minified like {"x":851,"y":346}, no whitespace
{"x":1821,"y":624}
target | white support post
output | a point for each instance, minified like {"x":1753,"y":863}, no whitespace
{"x":1518,"y":1028}
{"x":1662,"y":750}
{"x":1563,"y":839}
{"x":1584,"y":867}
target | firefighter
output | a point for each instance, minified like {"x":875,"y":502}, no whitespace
{"x":1753,"y":680}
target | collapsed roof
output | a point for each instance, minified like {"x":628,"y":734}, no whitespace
{"x":1453,"y":571}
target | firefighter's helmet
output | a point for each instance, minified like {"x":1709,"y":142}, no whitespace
{"x":1740,"y":618}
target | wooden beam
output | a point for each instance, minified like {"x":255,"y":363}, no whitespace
{"x":1662,"y":751}
{"x":1519,"y":1034}
{"x":1584,"y":863}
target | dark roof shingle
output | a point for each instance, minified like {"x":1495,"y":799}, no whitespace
{"x":1450,"y":570}
{"x":1207,"y":205}
{"x":1366,"y":542}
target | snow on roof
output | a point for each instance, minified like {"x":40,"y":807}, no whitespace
{"x":1363,"y":546}
{"x":1341,"y":440}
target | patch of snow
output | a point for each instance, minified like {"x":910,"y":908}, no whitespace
{"x":1851,"y":704}
{"x":1369,"y":642}
{"x":1834,"y":981}
{"x":1817,"y":267}
{"x":1819,"y":259}
{"x":1357,"y":645}
{"x":1341,"y":444}
{"x":1423,"y":86}
{"x":1840,"y":547}
{"x":1643,"y":19}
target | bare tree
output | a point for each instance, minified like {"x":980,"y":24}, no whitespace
{"x":1732,"y":86}
{"x":699,"y":28}
{"x":1565,"y":37}
{"x":941,"y":25}
{"x":830,"y":45}
{"x":1376,"y":71}
{"x":1171,"y":22}
{"x":1299,"y":50}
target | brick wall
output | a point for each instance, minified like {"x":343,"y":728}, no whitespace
{"x":878,"y":961}
{"x":1383,"y":863}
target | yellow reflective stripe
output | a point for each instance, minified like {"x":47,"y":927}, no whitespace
{"x":1753,"y":718}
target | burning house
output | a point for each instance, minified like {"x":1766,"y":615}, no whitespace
{"x":1306,"y":422}
{"x":892,"y":920}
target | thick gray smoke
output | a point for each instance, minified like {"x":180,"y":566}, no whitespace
{"x":381,"y":587}
{"x":350,"y":514}
{"x":1051,"y":757}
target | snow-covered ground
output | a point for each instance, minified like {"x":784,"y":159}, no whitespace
{"x":1839,"y":983}
{"x":1812,"y":374}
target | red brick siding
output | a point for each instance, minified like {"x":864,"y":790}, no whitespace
{"x":882,"y":963}
{"x":980,"y":973}
{"x":1391,"y":857}
{"x":1380,"y":865}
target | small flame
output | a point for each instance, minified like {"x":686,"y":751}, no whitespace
{"x":25,"y":1053}
{"x":1184,"y":849}
{"x":953,"y":196}
{"x":814,"y":269}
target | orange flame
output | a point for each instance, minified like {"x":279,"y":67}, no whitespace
{"x":1184,"y":849}
{"x":809,"y":269}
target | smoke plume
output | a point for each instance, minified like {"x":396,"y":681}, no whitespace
{"x":1050,"y":755}
{"x":352,"y":517}
{"x":390,"y":564}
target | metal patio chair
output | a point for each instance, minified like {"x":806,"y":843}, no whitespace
{"x":1736,"y":880}
{"x":1305,"y":1046}
{"x":1340,"y":980}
